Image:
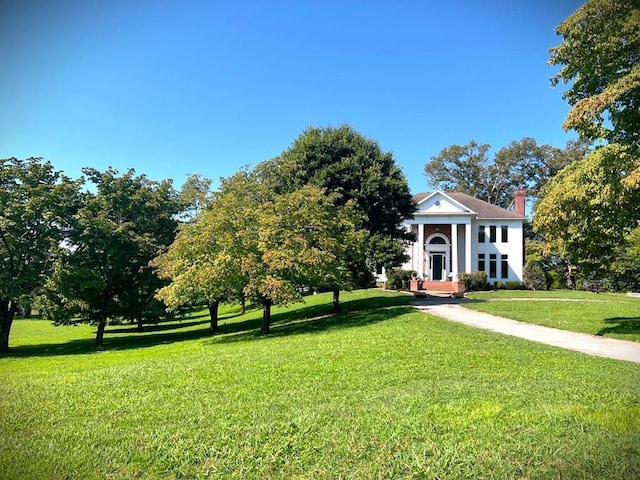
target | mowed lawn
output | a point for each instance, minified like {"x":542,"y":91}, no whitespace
{"x":379,"y":391}
{"x":604,"y":314}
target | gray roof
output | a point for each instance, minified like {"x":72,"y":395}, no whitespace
{"x":480,"y":207}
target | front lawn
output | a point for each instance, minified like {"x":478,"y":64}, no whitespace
{"x":379,"y":391}
{"x":605,"y":314}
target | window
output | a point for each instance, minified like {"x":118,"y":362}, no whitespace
{"x":505,"y":234}
{"x":492,"y":234}
{"x":492,"y":265}
{"x":481,"y":234}
{"x":504,"y":267}
{"x":437,"y":241}
{"x":481,"y":263}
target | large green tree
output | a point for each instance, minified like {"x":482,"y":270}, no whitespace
{"x":588,"y":209}
{"x":36,"y":203}
{"x":105,"y":272}
{"x":356,"y":171}
{"x":271,"y":246}
{"x":600,"y":58}
{"x":591,"y":208}
{"x":200,"y":266}
{"x":521,"y":164}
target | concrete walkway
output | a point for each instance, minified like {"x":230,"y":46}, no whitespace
{"x":580,"y":342}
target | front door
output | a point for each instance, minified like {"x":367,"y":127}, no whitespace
{"x":437,"y":261}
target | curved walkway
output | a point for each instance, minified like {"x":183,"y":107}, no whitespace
{"x":580,"y":342}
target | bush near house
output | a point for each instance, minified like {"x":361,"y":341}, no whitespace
{"x":474,"y":280}
{"x":534,"y":276}
{"x":398,"y":279}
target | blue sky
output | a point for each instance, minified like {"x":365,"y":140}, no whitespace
{"x":172,"y":88}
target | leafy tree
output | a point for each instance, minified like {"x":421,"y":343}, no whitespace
{"x":588,"y":209}
{"x":591,"y":207}
{"x":195,"y":194}
{"x":199,"y":268}
{"x":37,"y":202}
{"x":600,"y":57}
{"x":356,"y":172}
{"x":521,"y":164}
{"x":557,"y":271}
{"x":534,"y":277}
{"x":273,"y":245}
{"x":626,"y":265}
{"x":105,"y":272}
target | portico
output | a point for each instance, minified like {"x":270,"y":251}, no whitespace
{"x":442,"y":249}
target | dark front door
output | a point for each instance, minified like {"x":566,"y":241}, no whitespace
{"x":436,"y":266}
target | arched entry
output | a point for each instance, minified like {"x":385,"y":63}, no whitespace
{"x":437,"y":248}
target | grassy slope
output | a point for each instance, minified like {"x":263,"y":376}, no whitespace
{"x":381,"y":393}
{"x":605,"y":314}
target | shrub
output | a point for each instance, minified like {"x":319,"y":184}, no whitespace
{"x":474,"y":280}
{"x":595,"y":286}
{"x":513,"y":285}
{"x":555,"y":281}
{"x":498,"y":285}
{"x":534,"y":277}
{"x":398,"y":279}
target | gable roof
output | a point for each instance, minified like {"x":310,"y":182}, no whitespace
{"x":481,"y":208}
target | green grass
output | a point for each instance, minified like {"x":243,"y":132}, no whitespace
{"x":379,"y":391}
{"x":605,"y":314}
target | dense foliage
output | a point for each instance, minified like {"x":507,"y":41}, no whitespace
{"x":590,"y":213}
{"x":103,"y":272}
{"x":600,"y":57}
{"x":268,"y":247}
{"x":522,"y":164}
{"x":357,"y":172}
{"x":588,"y":210}
{"x":474,"y":281}
{"x":37,"y":204}
{"x":398,"y":279}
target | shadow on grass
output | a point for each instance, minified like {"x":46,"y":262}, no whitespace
{"x":130,"y":338}
{"x":316,"y":318}
{"x":621,"y":326}
{"x":312,"y":318}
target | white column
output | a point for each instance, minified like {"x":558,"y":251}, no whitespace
{"x":414,"y":250}
{"x":454,"y":251}
{"x":421,"y":250}
{"x":467,"y":248}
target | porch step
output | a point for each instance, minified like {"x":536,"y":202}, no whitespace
{"x":436,"y":286}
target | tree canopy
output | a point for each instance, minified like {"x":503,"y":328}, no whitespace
{"x":521,"y":164}
{"x":590,"y":211}
{"x":269,"y":246}
{"x":37,"y":202}
{"x":356,"y":171}
{"x":105,"y":271}
{"x":600,"y":57}
{"x":195,"y":194}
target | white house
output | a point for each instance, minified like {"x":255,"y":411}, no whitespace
{"x":458,"y":233}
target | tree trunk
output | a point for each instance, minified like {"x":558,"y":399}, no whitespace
{"x":571,"y":283}
{"x":336,"y":300}
{"x":140,"y":324}
{"x":266,"y":316}
{"x":243,"y":305}
{"x":213,"y":315}
{"x":7,"y":312}
{"x":100,"y":331}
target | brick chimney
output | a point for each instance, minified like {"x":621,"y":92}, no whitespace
{"x":519,"y":202}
